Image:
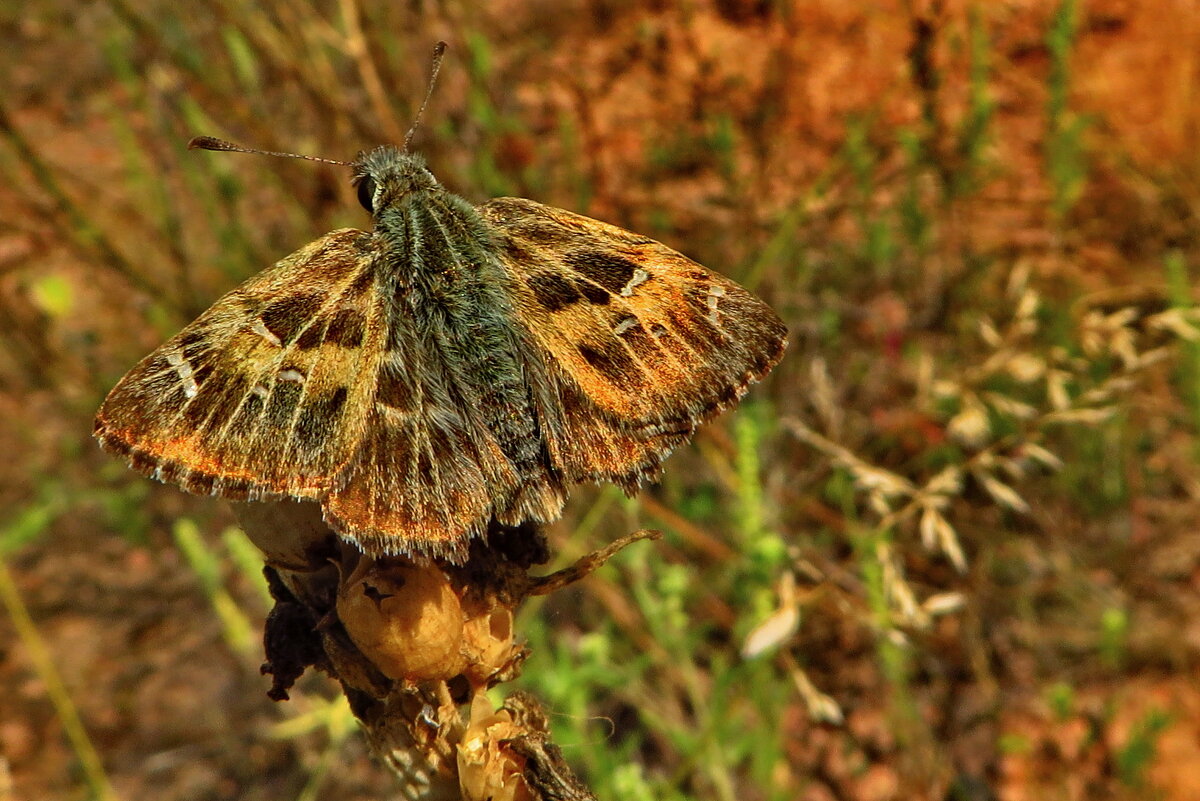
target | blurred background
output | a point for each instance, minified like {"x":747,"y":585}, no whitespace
{"x":947,"y":550}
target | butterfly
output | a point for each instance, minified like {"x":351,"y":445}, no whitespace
{"x":455,"y":365}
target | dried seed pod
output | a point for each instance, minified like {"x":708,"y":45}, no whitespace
{"x":488,"y":643}
{"x":487,"y":770}
{"x":407,"y":620}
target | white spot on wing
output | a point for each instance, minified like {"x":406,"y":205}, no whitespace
{"x":640,"y":276}
{"x":291,"y":375}
{"x":715,"y":293}
{"x":183,"y":368}
{"x":259,"y":390}
{"x":624,"y":325}
{"x":261,"y":329}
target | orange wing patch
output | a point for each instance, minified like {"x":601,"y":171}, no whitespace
{"x":258,"y":396}
{"x":641,"y":343}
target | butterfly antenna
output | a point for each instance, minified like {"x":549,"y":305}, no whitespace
{"x":439,"y":50}
{"x":212,"y":143}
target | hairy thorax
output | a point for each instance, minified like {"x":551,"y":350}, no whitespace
{"x":450,"y":296}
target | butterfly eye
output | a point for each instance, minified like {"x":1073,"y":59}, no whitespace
{"x":366,"y":193}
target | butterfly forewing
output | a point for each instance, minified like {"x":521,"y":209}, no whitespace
{"x":641,"y":343}
{"x":261,"y":395}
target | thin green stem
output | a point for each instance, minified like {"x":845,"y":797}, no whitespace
{"x":64,"y":707}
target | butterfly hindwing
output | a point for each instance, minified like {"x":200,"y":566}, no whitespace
{"x":429,"y":474}
{"x":641,"y":343}
{"x":260,"y":395}
{"x":416,"y":488}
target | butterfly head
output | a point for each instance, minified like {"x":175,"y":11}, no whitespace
{"x":386,"y":174}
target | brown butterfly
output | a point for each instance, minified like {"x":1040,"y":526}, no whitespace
{"x":456,"y":364}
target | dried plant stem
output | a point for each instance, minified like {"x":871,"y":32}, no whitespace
{"x":544,"y":585}
{"x":997,"y":461}
{"x":380,"y":627}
